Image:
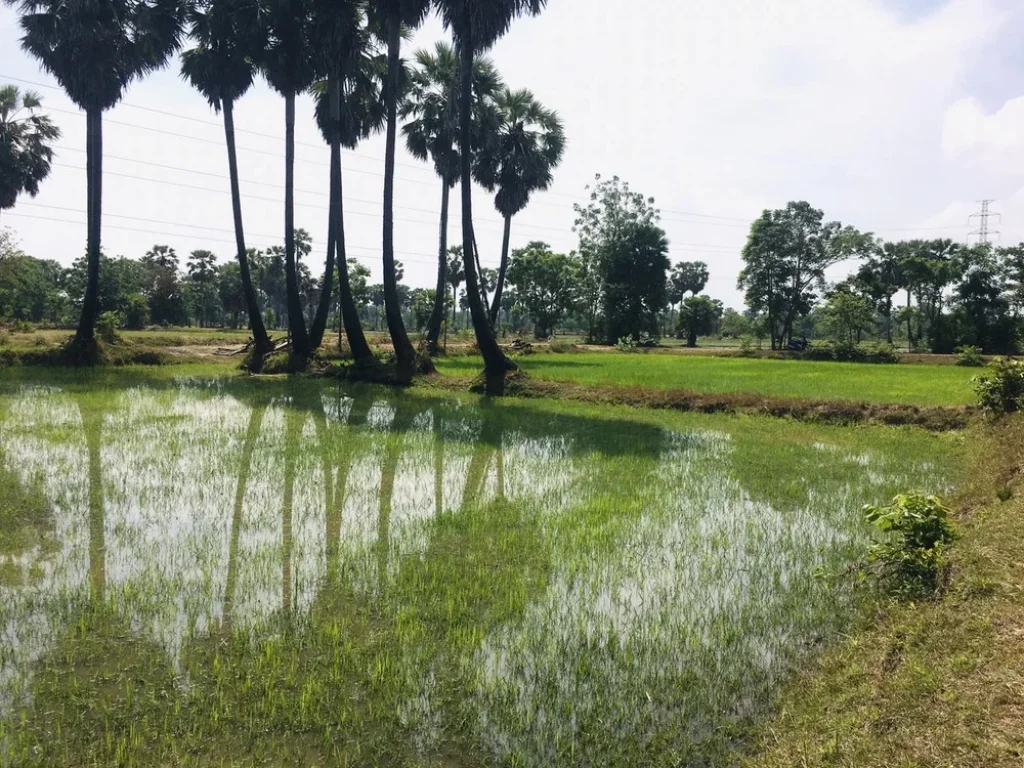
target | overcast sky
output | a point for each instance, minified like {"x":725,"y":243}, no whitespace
{"x":894,"y":116}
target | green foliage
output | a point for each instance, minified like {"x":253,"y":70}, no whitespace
{"x":917,"y":532}
{"x":25,"y":139}
{"x":1001,"y":389}
{"x":697,"y":317}
{"x":626,"y":250}
{"x":848,"y":352}
{"x":107,"y":325}
{"x":969,"y":356}
{"x":546,"y":284}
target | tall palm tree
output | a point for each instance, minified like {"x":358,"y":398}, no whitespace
{"x":95,"y":50}
{"x":348,"y":109}
{"x":433,"y":133}
{"x":476,"y":25}
{"x":25,"y":151}
{"x":391,"y":16}
{"x":221,"y":67}
{"x":287,"y":62}
{"x":517,"y":161}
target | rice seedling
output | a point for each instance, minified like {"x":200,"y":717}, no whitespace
{"x":238,"y":571}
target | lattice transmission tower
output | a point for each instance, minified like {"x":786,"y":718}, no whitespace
{"x":984,"y":232}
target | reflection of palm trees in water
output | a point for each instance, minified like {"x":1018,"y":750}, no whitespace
{"x":256,"y":415}
{"x":401,"y":422}
{"x":92,"y":426}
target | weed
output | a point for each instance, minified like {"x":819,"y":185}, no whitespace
{"x":969,"y":356}
{"x":911,"y":559}
{"x":1001,"y":388}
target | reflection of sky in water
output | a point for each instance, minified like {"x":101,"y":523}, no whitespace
{"x":702,"y":591}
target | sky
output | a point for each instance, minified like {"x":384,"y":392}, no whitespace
{"x":893,"y":116}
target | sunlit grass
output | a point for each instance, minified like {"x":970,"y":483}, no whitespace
{"x":913,"y":384}
{"x":247,"y":570}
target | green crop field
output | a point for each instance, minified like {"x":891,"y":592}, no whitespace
{"x":241,"y":570}
{"x":909,"y":384}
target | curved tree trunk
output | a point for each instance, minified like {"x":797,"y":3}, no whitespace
{"x":405,"y":356}
{"x":259,"y":330}
{"x":502,"y":269}
{"x":441,"y":291}
{"x":495,"y":363}
{"x":296,"y":321}
{"x":94,"y":213}
{"x":349,"y":313}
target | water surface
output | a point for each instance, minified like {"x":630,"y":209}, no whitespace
{"x":235,"y":571}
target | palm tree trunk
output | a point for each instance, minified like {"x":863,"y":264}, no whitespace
{"x":319,"y":324}
{"x":349,"y":313}
{"x":495,"y":363}
{"x":500,"y":286}
{"x":296,"y":322}
{"x":259,"y":330}
{"x":441,"y":291}
{"x":405,"y":356}
{"x":94,"y":213}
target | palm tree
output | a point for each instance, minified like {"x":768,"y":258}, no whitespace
{"x":476,"y":25}
{"x":392,"y":16}
{"x":456,"y":274}
{"x":433,"y":134}
{"x":517,"y":161}
{"x":288,"y":65}
{"x":95,"y":50}
{"x":348,"y":109}
{"x":25,"y":151}
{"x":221,"y":67}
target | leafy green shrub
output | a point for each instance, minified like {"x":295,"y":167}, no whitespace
{"x":22,"y":326}
{"x":844,"y":351}
{"x":561,"y":347}
{"x":106,"y":327}
{"x":5,"y":337}
{"x":627,"y":344}
{"x":1000,"y":389}
{"x":746,"y":346}
{"x":970,"y":356}
{"x":917,"y":530}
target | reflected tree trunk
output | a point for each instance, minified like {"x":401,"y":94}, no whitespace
{"x":294,"y":419}
{"x":92,"y":424}
{"x":251,"y":435}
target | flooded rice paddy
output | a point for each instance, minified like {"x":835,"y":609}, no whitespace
{"x":237,"y":572}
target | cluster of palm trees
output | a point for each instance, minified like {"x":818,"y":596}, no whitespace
{"x":347,"y":53}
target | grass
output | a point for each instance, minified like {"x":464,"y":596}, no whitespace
{"x":924,"y":385}
{"x":252,"y":570}
{"x":934,"y":683}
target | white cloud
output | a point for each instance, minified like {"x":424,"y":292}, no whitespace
{"x":991,"y":141}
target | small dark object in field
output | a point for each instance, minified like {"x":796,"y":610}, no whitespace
{"x":1004,"y":493}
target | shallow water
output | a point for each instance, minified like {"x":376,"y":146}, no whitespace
{"x":295,"y":571}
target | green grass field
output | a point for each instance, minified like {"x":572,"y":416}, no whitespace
{"x":907,"y":384}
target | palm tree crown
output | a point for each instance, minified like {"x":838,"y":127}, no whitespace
{"x":432,"y":103}
{"x":96,"y":49}
{"x":486,"y":21}
{"x":25,"y":151}
{"x":221,"y":65}
{"x":522,"y":153}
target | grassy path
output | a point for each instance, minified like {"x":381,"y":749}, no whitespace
{"x":907,"y":384}
{"x":937,"y":683}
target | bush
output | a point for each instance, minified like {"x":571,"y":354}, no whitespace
{"x":917,"y":530}
{"x":746,"y":346}
{"x":106,"y":327}
{"x":844,"y":351}
{"x":970,"y":356}
{"x":627,"y":344}
{"x":1000,"y":389}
